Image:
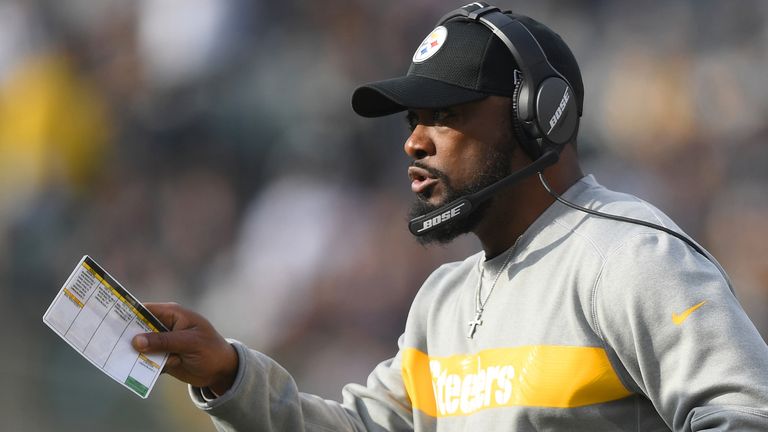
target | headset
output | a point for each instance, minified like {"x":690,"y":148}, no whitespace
{"x":545,"y":116}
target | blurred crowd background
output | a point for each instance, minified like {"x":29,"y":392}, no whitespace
{"x":205,"y":152}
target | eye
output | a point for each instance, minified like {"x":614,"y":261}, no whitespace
{"x":434,"y":117}
{"x":441,"y":115}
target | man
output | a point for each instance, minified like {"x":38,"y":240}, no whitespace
{"x":567,"y":320}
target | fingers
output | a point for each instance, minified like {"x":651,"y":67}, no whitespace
{"x":170,"y":314}
{"x":173,"y":362}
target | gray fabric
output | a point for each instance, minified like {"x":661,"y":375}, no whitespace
{"x":573,"y":280}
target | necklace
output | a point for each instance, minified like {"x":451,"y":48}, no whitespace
{"x":480,"y":304}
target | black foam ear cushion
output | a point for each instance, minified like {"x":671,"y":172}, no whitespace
{"x":529,"y":144}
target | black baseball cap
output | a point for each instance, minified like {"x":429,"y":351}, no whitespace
{"x":462,"y":61}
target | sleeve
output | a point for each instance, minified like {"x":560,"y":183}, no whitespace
{"x":264,"y":398}
{"x":677,"y":334}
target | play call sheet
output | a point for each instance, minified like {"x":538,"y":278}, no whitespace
{"x":98,"y":318}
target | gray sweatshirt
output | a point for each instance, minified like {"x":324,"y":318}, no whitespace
{"x":591,"y":325}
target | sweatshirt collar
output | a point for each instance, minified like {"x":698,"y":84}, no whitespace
{"x":554,"y":211}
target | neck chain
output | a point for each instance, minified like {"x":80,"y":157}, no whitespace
{"x":480,"y":304}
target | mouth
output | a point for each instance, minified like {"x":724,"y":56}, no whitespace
{"x":421,"y":179}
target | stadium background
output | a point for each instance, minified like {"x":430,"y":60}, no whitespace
{"x":205,"y":152}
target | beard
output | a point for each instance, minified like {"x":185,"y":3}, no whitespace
{"x":497,"y":167}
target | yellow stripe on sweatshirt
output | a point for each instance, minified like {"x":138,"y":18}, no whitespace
{"x":537,"y":376}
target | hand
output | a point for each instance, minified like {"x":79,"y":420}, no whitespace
{"x":199,"y":354}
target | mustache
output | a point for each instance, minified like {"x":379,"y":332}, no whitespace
{"x":434,"y":172}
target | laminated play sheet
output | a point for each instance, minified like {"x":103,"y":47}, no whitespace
{"x":95,"y":315}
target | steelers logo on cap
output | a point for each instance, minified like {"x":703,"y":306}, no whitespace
{"x":431,"y":44}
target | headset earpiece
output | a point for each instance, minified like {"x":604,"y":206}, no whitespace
{"x":557,"y":118}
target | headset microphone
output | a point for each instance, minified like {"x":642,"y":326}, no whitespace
{"x":462,"y":207}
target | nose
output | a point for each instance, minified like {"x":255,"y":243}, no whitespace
{"x":419,"y":145}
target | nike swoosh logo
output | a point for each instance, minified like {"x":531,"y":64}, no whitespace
{"x":678,"y":319}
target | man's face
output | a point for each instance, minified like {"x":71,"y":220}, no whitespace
{"x":457,"y":151}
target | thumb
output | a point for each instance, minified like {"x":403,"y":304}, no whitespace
{"x":140,"y":342}
{"x":158,"y":342}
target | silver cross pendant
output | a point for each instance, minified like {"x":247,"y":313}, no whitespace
{"x":473,"y":324}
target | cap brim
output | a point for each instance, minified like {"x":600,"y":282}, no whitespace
{"x":390,"y":96}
